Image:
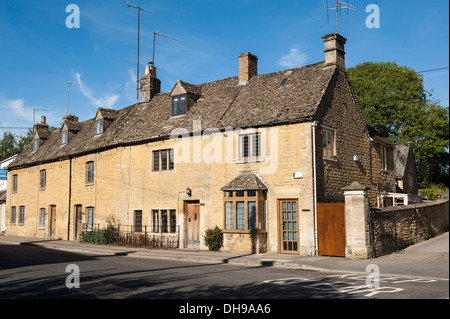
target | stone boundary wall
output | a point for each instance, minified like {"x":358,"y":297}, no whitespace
{"x":395,"y":228}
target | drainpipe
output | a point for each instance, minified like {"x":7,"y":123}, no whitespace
{"x":314,"y":126}
{"x":70,"y":198}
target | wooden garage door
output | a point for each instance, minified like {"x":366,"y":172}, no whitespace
{"x":331,"y":229}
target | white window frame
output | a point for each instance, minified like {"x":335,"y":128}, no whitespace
{"x":90,"y":217}
{"x":64,"y":137}
{"x":99,"y":126}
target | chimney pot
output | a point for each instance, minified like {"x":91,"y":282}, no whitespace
{"x":43,"y":119}
{"x":248,"y":66}
{"x":334,"y":50}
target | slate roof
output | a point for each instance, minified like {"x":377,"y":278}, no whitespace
{"x":245,"y":181}
{"x":222,"y":104}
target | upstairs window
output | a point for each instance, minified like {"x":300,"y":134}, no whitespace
{"x":250,"y":147}
{"x":163,"y":160}
{"x":64,"y":137}
{"x":179,"y":104}
{"x":99,"y":126}
{"x":35,"y":144}
{"x":15,"y":183}
{"x":384,"y":161}
{"x":89,"y":172}
{"x":43,"y":179}
{"x":328,"y":144}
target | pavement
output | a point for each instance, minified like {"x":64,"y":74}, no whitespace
{"x":429,"y":259}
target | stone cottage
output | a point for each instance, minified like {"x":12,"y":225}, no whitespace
{"x":263,"y":156}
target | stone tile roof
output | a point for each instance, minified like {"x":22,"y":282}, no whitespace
{"x":245,"y":181}
{"x":222,"y":104}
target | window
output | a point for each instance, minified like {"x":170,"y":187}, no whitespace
{"x":328,"y":144}
{"x":164,"y":221}
{"x":90,"y":212}
{"x":163,"y":160}
{"x":155,"y":221}
{"x":250,"y":146}
{"x":64,"y":137}
{"x":35,"y":144}
{"x":13,"y":214}
{"x":43,"y":179}
{"x":89,"y":172}
{"x":21,"y":214}
{"x":173,"y":221}
{"x":15,"y":183}
{"x":384,"y":164}
{"x":244,"y":210}
{"x":138,"y":221}
{"x":42,"y":217}
{"x":178,"y":105}
{"x":99,"y":126}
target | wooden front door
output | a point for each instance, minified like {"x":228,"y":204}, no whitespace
{"x":78,"y":221}
{"x":288,"y":226}
{"x":331,"y":229}
{"x":192,"y":224}
{"x":52,"y":221}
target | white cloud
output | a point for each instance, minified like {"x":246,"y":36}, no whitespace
{"x":105,"y":101}
{"x":294,"y":58}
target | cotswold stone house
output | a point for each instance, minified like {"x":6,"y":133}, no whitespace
{"x":264,"y":157}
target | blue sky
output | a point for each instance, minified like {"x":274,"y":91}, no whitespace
{"x":39,"y":54}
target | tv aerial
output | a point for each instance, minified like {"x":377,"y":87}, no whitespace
{"x":340,"y":5}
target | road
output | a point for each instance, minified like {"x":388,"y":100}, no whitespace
{"x":36,"y":272}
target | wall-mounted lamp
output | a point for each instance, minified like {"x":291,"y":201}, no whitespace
{"x":189,"y":191}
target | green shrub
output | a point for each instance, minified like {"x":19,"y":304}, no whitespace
{"x":433,"y":191}
{"x":214,"y":238}
{"x":100,"y":237}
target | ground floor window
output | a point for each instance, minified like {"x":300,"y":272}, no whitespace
{"x":138,"y":221}
{"x":244,"y":210}
{"x":42,"y":217}
{"x":164,"y":221}
{"x":21,"y":214}
{"x":13,"y":214}
{"x":90,"y":213}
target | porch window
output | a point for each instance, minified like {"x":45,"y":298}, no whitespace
{"x":244,"y":210}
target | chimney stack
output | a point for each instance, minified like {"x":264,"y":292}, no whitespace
{"x":248,"y":67}
{"x":334,"y":50}
{"x":150,"y":84}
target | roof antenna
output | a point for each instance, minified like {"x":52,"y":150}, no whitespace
{"x":68,"y":88}
{"x":339,"y":6}
{"x":157,"y":34}
{"x":139,"y":23}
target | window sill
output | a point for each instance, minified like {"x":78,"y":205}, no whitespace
{"x":89,"y":184}
{"x":250,"y":160}
{"x":230,"y":231}
{"x":332,"y":160}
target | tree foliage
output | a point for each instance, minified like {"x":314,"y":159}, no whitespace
{"x":394,"y":99}
{"x":11,"y":144}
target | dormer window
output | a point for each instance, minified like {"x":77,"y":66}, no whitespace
{"x":99,"y":126}
{"x":178,"y":104}
{"x":35,"y":144}
{"x":64,"y":137}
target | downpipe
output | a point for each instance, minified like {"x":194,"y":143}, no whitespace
{"x":314,"y":126}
